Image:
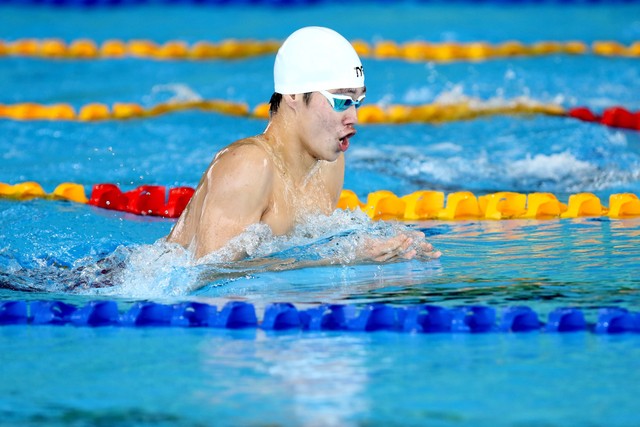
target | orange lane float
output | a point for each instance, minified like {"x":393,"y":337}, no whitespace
{"x":617,"y":117}
{"x":96,"y":111}
{"x":229,"y":49}
{"x":448,"y":112}
{"x":137,"y":48}
{"x":430,"y":205}
{"x":624,"y":205}
{"x":503,"y":205}
{"x":368,"y":114}
{"x":29,"y":190}
{"x":380,"y":205}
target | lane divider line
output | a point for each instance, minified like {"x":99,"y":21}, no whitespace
{"x":233,"y":49}
{"x":616,"y":116}
{"x":154,"y":200}
{"x":285,"y":316}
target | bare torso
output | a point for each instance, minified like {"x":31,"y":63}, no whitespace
{"x":251,"y":183}
{"x":293,"y":170}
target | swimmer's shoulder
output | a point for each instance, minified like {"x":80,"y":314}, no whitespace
{"x":251,"y":149}
{"x":248,"y":158}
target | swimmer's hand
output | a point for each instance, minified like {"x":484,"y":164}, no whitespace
{"x":405,"y":246}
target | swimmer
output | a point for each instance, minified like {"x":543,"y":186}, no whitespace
{"x":296,"y":167}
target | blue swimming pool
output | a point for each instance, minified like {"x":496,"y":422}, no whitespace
{"x":65,"y":375}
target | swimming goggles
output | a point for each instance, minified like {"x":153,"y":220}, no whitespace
{"x":341,"y":103}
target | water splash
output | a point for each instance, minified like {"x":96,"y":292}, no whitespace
{"x":166,"y":270}
{"x":174,"y":92}
{"x":558,"y":167}
{"x":538,"y":154}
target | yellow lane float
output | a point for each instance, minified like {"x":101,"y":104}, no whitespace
{"x":137,"y":48}
{"x":367,"y":114}
{"x":415,"y":50}
{"x":419,"y":205}
{"x":430,"y":205}
{"x":30,"y":190}
{"x":97,"y":111}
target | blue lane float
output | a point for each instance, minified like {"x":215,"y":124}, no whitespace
{"x":328,"y":317}
{"x":276,"y":3}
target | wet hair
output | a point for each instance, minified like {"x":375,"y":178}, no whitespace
{"x":276,"y":98}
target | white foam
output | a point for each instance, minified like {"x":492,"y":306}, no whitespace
{"x":420,"y":95}
{"x":178,"y":92}
{"x":147,"y":271}
{"x":168,"y":270}
{"x":554,"y":167}
{"x":444,"y":147}
{"x":363,"y":152}
{"x":455,"y":94}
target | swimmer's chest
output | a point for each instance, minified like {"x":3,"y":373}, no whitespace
{"x":290,"y":204}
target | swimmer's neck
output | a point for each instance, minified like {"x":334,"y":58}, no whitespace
{"x":290,"y":151}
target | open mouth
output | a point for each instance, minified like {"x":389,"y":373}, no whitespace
{"x":344,"y":141}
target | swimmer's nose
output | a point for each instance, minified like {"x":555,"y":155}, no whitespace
{"x":350,"y":116}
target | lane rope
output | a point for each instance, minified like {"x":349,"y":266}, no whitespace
{"x":96,"y":111}
{"x":326,"y":317}
{"x":616,"y":116}
{"x":273,"y":3}
{"x":380,"y":205}
{"x":230,"y":49}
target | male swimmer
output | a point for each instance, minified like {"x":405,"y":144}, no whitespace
{"x":296,"y":167}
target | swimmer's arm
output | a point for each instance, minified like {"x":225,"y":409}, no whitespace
{"x":238,"y":192}
{"x":398,"y":248}
{"x":403,"y":247}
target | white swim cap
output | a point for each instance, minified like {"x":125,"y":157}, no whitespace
{"x":316,"y":58}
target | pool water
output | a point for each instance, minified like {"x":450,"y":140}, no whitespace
{"x":171,"y":376}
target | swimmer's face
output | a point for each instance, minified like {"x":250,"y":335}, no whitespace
{"x":327,"y":132}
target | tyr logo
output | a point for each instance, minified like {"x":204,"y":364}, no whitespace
{"x":359,"y":71}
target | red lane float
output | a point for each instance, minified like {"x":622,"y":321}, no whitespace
{"x":379,"y":205}
{"x":617,"y":117}
{"x":144,"y":200}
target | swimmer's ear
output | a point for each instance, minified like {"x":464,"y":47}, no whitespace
{"x":292,"y":100}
